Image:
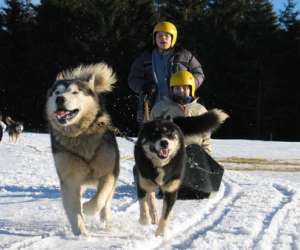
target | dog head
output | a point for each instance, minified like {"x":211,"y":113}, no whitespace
{"x":73,"y":101}
{"x":19,"y":127}
{"x":160,"y":140}
{"x":14,"y":126}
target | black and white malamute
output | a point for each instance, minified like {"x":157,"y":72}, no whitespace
{"x":85,"y":151}
{"x":160,"y":161}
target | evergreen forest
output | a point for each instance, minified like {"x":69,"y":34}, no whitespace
{"x":250,"y":55}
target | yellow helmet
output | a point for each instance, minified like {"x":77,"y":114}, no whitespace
{"x":166,"y":27}
{"x":183,"y":78}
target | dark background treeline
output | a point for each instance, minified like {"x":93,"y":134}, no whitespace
{"x":250,"y":55}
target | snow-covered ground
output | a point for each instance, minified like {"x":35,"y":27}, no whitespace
{"x":252,"y":210}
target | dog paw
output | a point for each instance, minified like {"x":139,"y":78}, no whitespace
{"x":90,"y":209}
{"x":154,"y":220}
{"x":106,"y":215}
{"x":144,"y":221}
{"x":162,"y":229}
{"x":160,"y":232}
{"x":107,"y":225}
{"x":80,"y":231}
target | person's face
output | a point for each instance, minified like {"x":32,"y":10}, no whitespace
{"x":182,"y":90}
{"x":163,"y":40}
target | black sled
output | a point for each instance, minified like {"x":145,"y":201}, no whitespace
{"x":203,"y":175}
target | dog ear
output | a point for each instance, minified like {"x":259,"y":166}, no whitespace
{"x":9,"y":121}
{"x":169,"y":118}
{"x":166,"y":116}
{"x":105,"y":78}
{"x":59,"y":76}
{"x":91,"y":82}
{"x":100,"y":76}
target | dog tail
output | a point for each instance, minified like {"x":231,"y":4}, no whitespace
{"x":207,"y":122}
{"x":100,"y":76}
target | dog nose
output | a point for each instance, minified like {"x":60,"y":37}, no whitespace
{"x":164,"y":143}
{"x":60,"y":100}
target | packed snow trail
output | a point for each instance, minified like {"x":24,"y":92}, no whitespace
{"x":250,"y":211}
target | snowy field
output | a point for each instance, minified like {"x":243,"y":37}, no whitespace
{"x":252,"y":210}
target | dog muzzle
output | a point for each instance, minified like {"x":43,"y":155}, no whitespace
{"x":163,"y":151}
{"x":63,"y":116}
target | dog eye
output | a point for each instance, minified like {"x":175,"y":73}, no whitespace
{"x":170,"y":134}
{"x":56,"y":92}
{"x":75,"y":92}
{"x":169,"y":117}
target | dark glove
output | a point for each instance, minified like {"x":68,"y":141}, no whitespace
{"x":149,"y":88}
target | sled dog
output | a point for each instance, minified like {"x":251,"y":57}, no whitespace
{"x":160,"y":161}
{"x":2,"y":127}
{"x":85,"y":151}
{"x":14,"y":129}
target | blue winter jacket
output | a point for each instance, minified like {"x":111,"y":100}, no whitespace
{"x":142,"y":72}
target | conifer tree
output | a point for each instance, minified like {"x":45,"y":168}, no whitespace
{"x":18,"y":21}
{"x":289,"y":16}
{"x":289,"y":77}
{"x":256,"y":42}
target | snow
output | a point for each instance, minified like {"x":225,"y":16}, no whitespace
{"x":252,"y":210}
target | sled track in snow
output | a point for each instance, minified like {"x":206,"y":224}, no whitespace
{"x":276,"y":218}
{"x":211,"y":215}
{"x":262,"y":225}
{"x":221,"y":211}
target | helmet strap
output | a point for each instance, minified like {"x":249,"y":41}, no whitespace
{"x":182,"y":99}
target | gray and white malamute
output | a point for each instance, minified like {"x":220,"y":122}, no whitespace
{"x":85,"y":152}
{"x":160,"y":161}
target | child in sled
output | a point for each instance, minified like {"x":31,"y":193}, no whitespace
{"x":182,"y":102}
{"x":203,"y":179}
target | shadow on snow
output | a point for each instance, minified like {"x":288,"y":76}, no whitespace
{"x":42,"y":192}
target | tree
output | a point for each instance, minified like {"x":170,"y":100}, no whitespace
{"x":75,"y":32}
{"x":289,"y":58}
{"x":289,"y":16}
{"x":257,"y":40}
{"x":18,"y":20}
{"x":249,"y":58}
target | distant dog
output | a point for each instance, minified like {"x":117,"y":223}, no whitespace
{"x":85,"y":151}
{"x":160,"y":161}
{"x":14,"y":129}
{"x":2,"y":127}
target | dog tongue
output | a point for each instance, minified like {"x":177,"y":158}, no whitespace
{"x":62,"y":114}
{"x":164,"y":152}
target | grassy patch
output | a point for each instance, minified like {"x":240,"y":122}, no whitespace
{"x":246,"y":160}
{"x":255,"y":161}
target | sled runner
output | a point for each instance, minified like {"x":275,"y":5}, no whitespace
{"x":203,"y":174}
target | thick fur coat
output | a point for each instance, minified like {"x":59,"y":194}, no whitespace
{"x":85,"y":151}
{"x":160,"y":161}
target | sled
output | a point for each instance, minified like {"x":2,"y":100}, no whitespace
{"x":203,"y":174}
